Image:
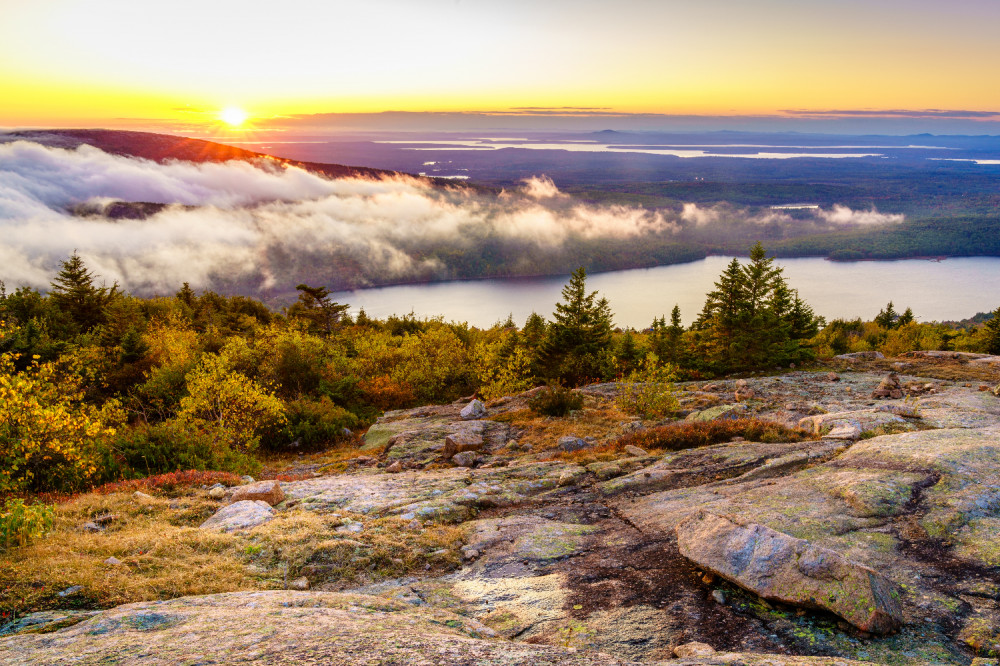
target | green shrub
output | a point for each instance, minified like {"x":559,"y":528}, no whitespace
{"x":168,"y":447}
{"x":313,"y":423}
{"x":555,"y":400}
{"x":648,"y":390}
{"x":20,"y":522}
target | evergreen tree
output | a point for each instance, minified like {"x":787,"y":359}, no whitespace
{"x":991,"y":333}
{"x":905,"y":318}
{"x":575,"y":348}
{"x":75,"y":295}
{"x":886,"y":317}
{"x":673,"y":349}
{"x":628,"y":354}
{"x":752,"y":319}
{"x":314,"y":305}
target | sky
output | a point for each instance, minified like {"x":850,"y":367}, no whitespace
{"x":123,"y":63}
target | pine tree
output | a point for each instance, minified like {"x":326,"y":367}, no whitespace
{"x":674,"y":337}
{"x":74,"y":294}
{"x":718,"y":324}
{"x":991,"y":333}
{"x":886,"y":318}
{"x":314,"y":305}
{"x":575,"y":348}
{"x":752,"y":319}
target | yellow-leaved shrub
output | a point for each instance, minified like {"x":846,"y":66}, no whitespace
{"x":229,"y":404}
{"x":49,"y":438}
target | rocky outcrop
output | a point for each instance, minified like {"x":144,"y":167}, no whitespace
{"x":612,"y":554}
{"x":781,"y":568}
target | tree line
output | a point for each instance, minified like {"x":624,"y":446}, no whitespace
{"x":98,"y":385}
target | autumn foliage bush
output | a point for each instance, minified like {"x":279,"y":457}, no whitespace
{"x":171,"y":481}
{"x":49,"y":438}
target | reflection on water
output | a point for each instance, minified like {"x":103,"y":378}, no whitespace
{"x":936,"y":290}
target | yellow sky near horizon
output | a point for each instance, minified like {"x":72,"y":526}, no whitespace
{"x":72,"y":63}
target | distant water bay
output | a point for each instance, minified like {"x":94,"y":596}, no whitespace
{"x":936,"y":290}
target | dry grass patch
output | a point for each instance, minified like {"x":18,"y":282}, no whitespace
{"x":319,"y":547}
{"x":691,"y":434}
{"x":286,"y":466}
{"x":597,"y":419}
{"x":164,"y":554}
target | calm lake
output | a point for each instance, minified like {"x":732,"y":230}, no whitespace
{"x":936,"y":290}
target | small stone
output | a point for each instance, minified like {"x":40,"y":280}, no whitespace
{"x":413,"y":525}
{"x":567,"y":478}
{"x":694,"y":649}
{"x":833,"y":377}
{"x":394,"y":468}
{"x":474,"y":410}
{"x":708,"y":578}
{"x":71,"y":590}
{"x":301,"y":583}
{"x":92,"y":527}
{"x":141,"y":496}
{"x":216,"y":493}
{"x":719,"y":597}
{"x":113,"y":561}
{"x":636,"y":451}
{"x":351,"y":528}
{"x":470,"y":553}
{"x":246,"y":478}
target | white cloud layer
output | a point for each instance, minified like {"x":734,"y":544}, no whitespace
{"x":268,"y":225}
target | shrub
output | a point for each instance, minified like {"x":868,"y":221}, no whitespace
{"x":167,"y":447}
{"x":503,"y":367}
{"x":48,"y":436}
{"x":313,"y":423}
{"x":691,"y":434}
{"x":648,"y":390}
{"x":555,"y":400}
{"x":20,"y":522}
{"x":170,"y":482}
{"x":229,"y":405}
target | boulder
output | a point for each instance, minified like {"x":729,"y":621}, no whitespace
{"x":263,"y":491}
{"x":573,"y":443}
{"x":463,"y":440}
{"x":781,"y":568}
{"x":465,"y":459}
{"x":636,"y":451}
{"x":694,"y":649}
{"x":474,"y":410}
{"x":240,"y":516}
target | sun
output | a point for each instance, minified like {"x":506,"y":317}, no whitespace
{"x":233,"y":116}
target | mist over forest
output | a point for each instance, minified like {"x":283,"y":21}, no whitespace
{"x":261,"y":226}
